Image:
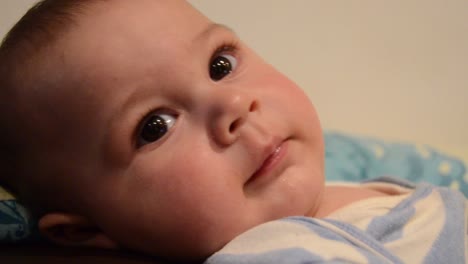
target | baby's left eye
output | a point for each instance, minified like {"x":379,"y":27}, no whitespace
{"x":221,"y":66}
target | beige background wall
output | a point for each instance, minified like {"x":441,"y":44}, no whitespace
{"x":396,"y":69}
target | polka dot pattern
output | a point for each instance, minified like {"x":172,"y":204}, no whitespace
{"x":353,"y":158}
{"x":379,"y":151}
{"x":445,"y":168}
{"x":423,"y":151}
{"x":455,"y":185}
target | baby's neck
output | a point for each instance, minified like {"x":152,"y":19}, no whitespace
{"x":336,"y":197}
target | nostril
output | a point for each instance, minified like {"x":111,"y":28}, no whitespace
{"x":253,"y":106}
{"x":234,"y":125}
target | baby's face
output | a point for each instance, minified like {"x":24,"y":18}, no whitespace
{"x":181,"y":136}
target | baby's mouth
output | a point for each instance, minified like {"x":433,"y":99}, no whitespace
{"x":270,"y":162}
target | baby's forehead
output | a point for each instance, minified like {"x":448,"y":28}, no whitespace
{"x":143,"y":13}
{"x":109,"y":24}
{"x":114,"y":44}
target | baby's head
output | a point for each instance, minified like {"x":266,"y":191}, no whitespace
{"x":144,"y":125}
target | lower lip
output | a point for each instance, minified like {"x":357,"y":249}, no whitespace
{"x":270,"y":164}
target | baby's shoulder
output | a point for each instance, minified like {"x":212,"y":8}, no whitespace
{"x":378,"y":228}
{"x":405,"y":203}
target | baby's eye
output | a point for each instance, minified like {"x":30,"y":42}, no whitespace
{"x":155,"y":127}
{"x":221,"y":66}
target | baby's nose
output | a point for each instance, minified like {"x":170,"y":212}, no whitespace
{"x":229,"y":114}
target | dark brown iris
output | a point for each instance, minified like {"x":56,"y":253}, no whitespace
{"x":220,"y":67}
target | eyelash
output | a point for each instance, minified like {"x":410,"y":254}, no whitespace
{"x":231,"y":46}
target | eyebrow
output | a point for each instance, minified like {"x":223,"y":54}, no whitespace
{"x":212,"y":27}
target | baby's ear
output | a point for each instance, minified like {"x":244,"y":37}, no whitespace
{"x":73,"y":230}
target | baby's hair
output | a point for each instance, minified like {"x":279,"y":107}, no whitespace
{"x":23,"y":53}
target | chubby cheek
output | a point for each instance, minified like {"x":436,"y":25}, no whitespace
{"x":177,"y":188}
{"x":283,"y":100}
{"x":265,"y":79}
{"x":187,"y":198}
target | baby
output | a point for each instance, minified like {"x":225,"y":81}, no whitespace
{"x":144,"y":125}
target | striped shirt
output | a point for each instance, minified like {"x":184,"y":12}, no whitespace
{"x":420,"y":224}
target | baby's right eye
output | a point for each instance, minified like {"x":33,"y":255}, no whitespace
{"x":155,"y":127}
